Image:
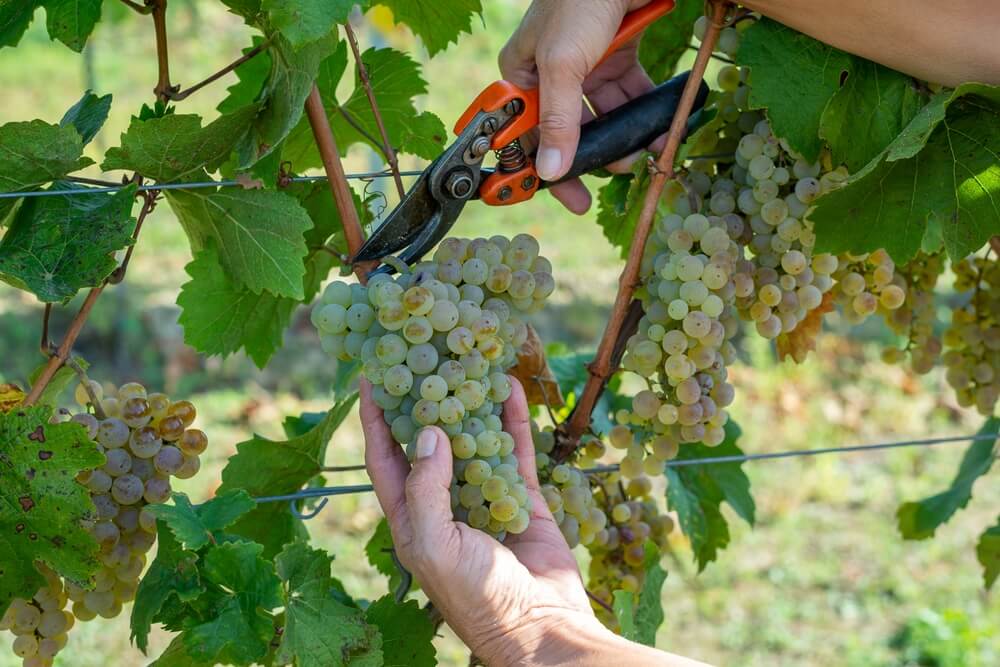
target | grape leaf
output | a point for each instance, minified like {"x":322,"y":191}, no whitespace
{"x":265,"y":467}
{"x":407,"y":632}
{"x":88,"y":115}
{"x":914,"y":136}
{"x":303,"y":21}
{"x":57,"y":245}
{"x":988,"y":554}
{"x":919,"y":520}
{"x":11,"y":396}
{"x":640,"y":618}
{"x":954,"y":177}
{"x":42,"y":506}
{"x":173,"y":574}
{"x":696,"y":493}
{"x":248,"y":9}
{"x":258,"y":234}
{"x":395,"y":80}
{"x":664,"y":42}
{"x":283,"y":95}
{"x":240,"y":632}
{"x":436,"y":22}
{"x":619,"y":202}
{"x":15,"y":16}
{"x":251,"y":76}
{"x":176,"y":147}
{"x":378,"y":550}
{"x":35,"y":152}
{"x":319,"y":630}
{"x":195,"y":526}
{"x":72,"y":21}
{"x":794,"y":96}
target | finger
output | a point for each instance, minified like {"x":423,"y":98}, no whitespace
{"x":385,"y":460}
{"x":607,"y":97}
{"x":572,"y":194}
{"x":624,"y":165}
{"x":517,"y":421}
{"x":428,"y":489}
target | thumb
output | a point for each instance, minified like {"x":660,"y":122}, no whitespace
{"x":428,"y":487}
{"x":560,"y":89}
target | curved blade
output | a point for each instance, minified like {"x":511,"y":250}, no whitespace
{"x":405,"y":222}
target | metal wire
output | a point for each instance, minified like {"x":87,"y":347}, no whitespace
{"x":364,"y":175}
{"x":323,"y":492}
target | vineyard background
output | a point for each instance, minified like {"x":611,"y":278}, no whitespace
{"x":823,"y":579}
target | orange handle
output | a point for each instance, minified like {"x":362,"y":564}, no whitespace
{"x":501,"y":92}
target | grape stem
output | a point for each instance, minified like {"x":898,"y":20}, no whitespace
{"x":73,"y":363}
{"x":342,"y":196}
{"x":387,"y":149}
{"x":136,"y":7}
{"x":615,"y":334}
{"x":64,"y":350}
{"x":176,"y":95}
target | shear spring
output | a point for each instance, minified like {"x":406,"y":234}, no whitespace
{"x":511,"y":157}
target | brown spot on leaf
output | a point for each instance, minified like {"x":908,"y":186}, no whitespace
{"x":30,"y":474}
{"x":38,"y":435}
{"x":27,"y":504}
{"x":19,"y":528}
{"x":44,"y":455}
{"x":59,"y":540}
{"x":33,"y":537}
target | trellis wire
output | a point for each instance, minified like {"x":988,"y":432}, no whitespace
{"x":326,"y":491}
{"x":191,"y":186}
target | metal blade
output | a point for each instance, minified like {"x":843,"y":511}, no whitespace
{"x":405,"y":222}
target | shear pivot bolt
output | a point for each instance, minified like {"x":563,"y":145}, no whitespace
{"x":459,"y":185}
{"x":505,"y":193}
{"x":528,"y":182}
{"x":480,"y":146}
{"x":489,"y":126}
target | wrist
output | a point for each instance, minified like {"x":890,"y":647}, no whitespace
{"x":551,"y":637}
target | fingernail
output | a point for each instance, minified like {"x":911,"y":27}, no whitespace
{"x":426,"y":442}
{"x":548,"y":162}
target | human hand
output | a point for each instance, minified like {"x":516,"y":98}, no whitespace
{"x":555,"y":49}
{"x":508,"y":602}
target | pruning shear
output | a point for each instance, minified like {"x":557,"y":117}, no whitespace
{"x":496,"y":120}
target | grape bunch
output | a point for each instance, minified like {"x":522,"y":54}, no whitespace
{"x":435,"y":342}
{"x":146,"y":439}
{"x":865,"y":285}
{"x":916,"y":317}
{"x":618,"y":563}
{"x":566,"y":490}
{"x":972,"y":342}
{"x":40,"y":625}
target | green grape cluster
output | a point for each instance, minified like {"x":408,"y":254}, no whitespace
{"x":146,"y":439}
{"x":566,"y":490}
{"x":866,"y":285}
{"x":972,"y":341}
{"x":435,"y":342}
{"x":916,"y":317}
{"x":40,"y":625}
{"x":618,"y":563}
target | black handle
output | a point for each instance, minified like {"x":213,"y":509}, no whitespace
{"x":630,"y":127}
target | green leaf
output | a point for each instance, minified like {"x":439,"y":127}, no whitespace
{"x":35,"y":152}
{"x":696,"y":493}
{"x":258,"y":234}
{"x":248,"y":9}
{"x":395,"y":80}
{"x":172,"y":578}
{"x":794,"y":96}
{"x":886,"y":99}
{"x":988,"y":554}
{"x":176,"y":147}
{"x":241,"y":631}
{"x":303,"y":21}
{"x":58,"y":245}
{"x":42,"y":506}
{"x":640,"y":619}
{"x":265,"y":467}
{"x":918,"y":520}
{"x":436,"y":22}
{"x":63,"y":378}
{"x":283,"y":95}
{"x":407,"y":632}
{"x":955,"y":177}
{"x":664,"y":42}
{"x":72,"y":21}
{"x":15,"y":16}
{"x":378,"y":550}
{"x":251,"y":76}
{"x":914,"y":136}
{"x":87,"y":116}
{"x":195,"y":527}
{"x":320,"y":631}
{"x":619,"y":203}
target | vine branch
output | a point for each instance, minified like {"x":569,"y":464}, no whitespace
{"x":176,"y":95}
{"x":163,"y":87}
{"x":615,"y":334}
{"x":390,"y":153}
{"x":64,"y":350}
{"x":136,"y":7}
{"x":342,"y":195}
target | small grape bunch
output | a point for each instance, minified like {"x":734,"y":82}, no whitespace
{"x":865,"y":285}
{"x":566,"y":490}
{"x":915,"y":319}
{"x":40,"y":625}
{"x":972,"y":341}
{"x":146,"y":439}
{"x":435,"y":342}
